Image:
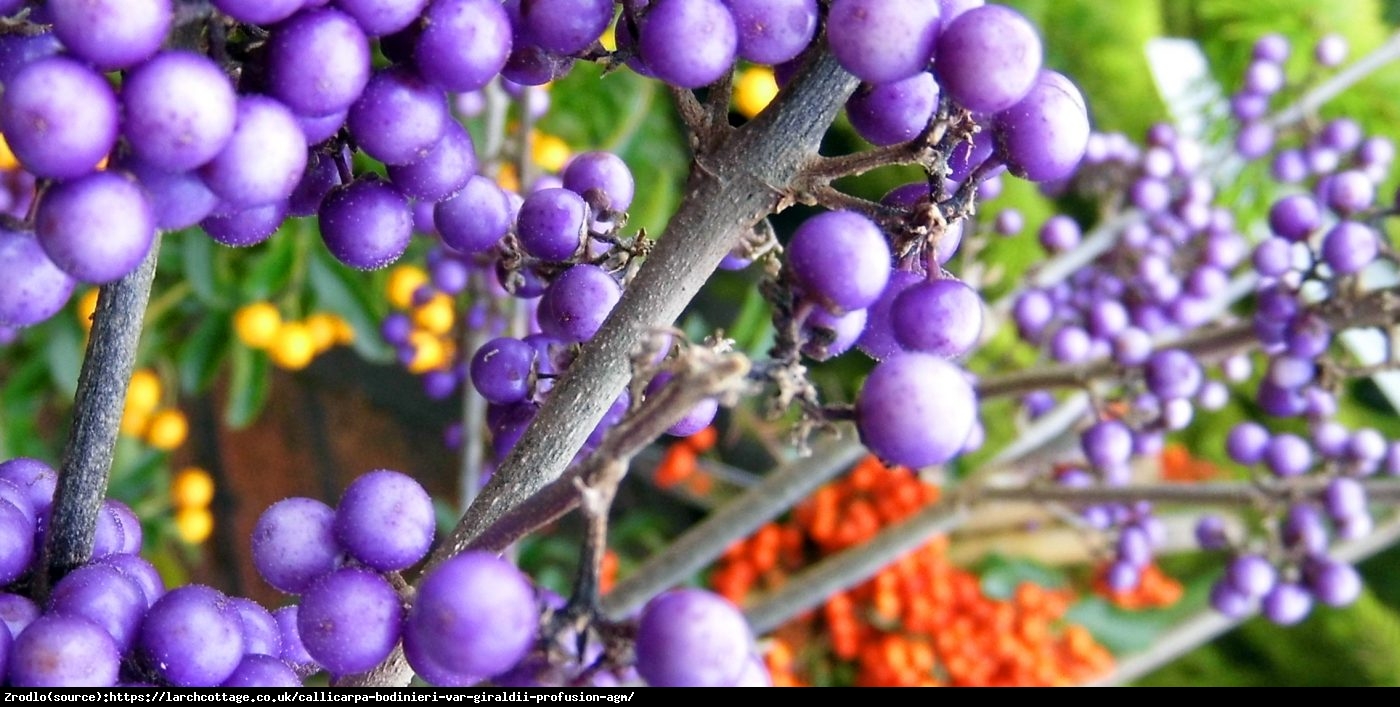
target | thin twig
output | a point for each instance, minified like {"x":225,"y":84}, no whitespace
{"x":497,"y":104}
{"x":1376,"y":308}
{"x":717,"y":109}
{"x":851,"y":567}
{"x":692,"y":113}
{"x":779,"y":490}
{"x":97,"y":414}
{"x":1206,"y":345}
{"x":473,"y":411}
{"x":1239,"y":493}
{"x":1309,"y":102}
{"x":1207,"y":625}
{"x":713,"y":375}
{"x":824,"y":170}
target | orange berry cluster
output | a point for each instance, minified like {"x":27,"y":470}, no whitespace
{"x":607,"y":573}
{"x":921,"y":621}
{"x":1154,"y":590}
{"x":681,"y":464}
{"x":1178,"y":465}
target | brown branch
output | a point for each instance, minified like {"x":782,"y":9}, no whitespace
{"x":779,"y":490}
{"x":740,"y":188}
{"x":824,"y":170}
{"x":1376,"y":308}
{"x":1239,"y":493}
{"x":1209,"y":344}
{"x":742,"y":183}
{"x":641,"y":427}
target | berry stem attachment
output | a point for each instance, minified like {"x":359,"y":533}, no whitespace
{"x":706,"y":374}
{"x":718,"y":205}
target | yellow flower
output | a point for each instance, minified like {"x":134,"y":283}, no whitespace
{"x":549,"y":152}
{"x":194,"y":524}
{"x":168,"y":430}
{"x":437,"y":315}
{"x":754,"y":90}
{"x":143,"y":392}
{"x":508,"y":178}
{"x":321,"y":326}
{"x":135,"y":422}
{"x":428,"y":352}
{"x":405,"y":280}
{"x":293,"y":347}
{"x":87,"y":304}
{"x":192,"y":487}
{"x":256,"y":324}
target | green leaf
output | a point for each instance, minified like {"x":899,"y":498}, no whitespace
{"x":202,"y":352}
{"x":271,"y":270}
{"x":339,"y":292}
{"x":64,"y":352}
{"x":1118,"y":630}
{"x":248,"y":387}
{"x":24,"y":387}
{"x":200,"y":271}
{"x":1001,"y":575}
{"x":753,"y":324}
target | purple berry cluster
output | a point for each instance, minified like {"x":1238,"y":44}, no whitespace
{"x":898,"y":304}
{"x":1173,"y":261}
{"x":474,"y":617}
{"x":111,"y":622}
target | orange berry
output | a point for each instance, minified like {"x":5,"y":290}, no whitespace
{"x":700,"y":484}
{"x":675,"y":467}
{"x":344,"y":333}
{"x":703,"y":440}
{"x":607,"y":575}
